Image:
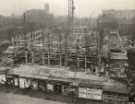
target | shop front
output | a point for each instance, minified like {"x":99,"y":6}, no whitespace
{"x":115,"y":98}
{"x":58,"y":86}
{"x":115,"y":92}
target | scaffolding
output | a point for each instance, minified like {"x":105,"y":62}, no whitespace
{"x":47,"y":47}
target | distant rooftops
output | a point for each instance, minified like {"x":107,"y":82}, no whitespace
{"x":119,"y":16}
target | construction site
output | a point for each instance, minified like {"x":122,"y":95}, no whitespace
{"x":84,"y":65}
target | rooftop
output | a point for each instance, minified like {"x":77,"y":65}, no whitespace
{"x":64,"y":74}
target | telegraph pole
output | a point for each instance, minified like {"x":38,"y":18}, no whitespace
{"x":25,"y":40}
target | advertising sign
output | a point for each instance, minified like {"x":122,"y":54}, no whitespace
{"x":90,"y":93}
{"x":50,"y":87}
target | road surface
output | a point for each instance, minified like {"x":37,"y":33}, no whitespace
{"x":11,"y":95}
{"x":12,"y":98}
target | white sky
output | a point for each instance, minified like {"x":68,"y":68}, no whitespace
{"x":59,"y":7}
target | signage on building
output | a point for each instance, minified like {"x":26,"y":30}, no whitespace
{"x":50,"y":87}
{"x":90,"y":93}
{"x":22,"y":83}
{"x":2,"y":79}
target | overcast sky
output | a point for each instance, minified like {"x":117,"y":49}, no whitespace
{"x":59,"y":7}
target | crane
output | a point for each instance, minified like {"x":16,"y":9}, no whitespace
{"x":71,"y":9}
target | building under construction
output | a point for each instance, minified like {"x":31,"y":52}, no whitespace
{"x":83,"y":63}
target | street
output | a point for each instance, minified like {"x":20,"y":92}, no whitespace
{"x":11,"y":95}
{"x":12,"y":98}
